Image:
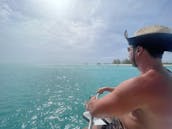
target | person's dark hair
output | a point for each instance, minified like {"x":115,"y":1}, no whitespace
{"x":155,"y":52}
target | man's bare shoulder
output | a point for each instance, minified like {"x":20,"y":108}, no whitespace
{"x":140,"y":87}
{"x":134,"y":83}
{"x":146,"y":80}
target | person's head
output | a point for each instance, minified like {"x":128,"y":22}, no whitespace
{"x":154,"y":39}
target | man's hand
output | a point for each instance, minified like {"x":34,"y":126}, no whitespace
{"x":90,"y":103}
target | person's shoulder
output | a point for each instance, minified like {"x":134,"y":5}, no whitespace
{"x":134,"y":82}
{"x":137,"y":85}
{"x":155,"y":77}
{"x":151,"y":73}
{"x":130,"y":85}
{"x":134,"y":89}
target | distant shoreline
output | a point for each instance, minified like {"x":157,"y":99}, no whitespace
{"x":167,"y":64}
{"x":98,"y":64}
{"x":128,"y":64}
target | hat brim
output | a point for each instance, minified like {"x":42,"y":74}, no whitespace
{"x":160,"y":41}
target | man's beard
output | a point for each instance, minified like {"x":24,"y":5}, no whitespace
{"x":134,"y":64}
{"x":133,"y":59}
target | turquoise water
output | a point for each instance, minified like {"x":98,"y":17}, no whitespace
{"x":52,"y":97}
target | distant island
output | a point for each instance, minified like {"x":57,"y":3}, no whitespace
{"x":118,"y":61}
{"x":124,"y":61}
{"x":127,"y":61}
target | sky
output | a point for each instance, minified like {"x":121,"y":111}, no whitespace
{"x":75,"y":31}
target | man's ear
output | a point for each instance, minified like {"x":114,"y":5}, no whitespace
{"x":139,"y":50}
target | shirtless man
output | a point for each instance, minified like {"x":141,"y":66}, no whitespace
{"x":143,"y":102}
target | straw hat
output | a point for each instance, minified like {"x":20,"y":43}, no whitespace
{"x":152,"y":37}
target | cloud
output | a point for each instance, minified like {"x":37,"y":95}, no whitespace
{"x":73,"y":30}
{"x":5,"y":11}
{"x":46,"y":38}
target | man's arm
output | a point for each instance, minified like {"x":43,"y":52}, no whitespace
{"x":125,"y":98}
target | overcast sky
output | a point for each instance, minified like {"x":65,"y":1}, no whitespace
{"x":74,"y":31}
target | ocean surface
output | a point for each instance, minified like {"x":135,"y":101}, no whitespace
{"x":53,"y":96}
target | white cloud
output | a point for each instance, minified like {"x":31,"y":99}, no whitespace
{"x":5,"y":11}
{"x":75,"y":30}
